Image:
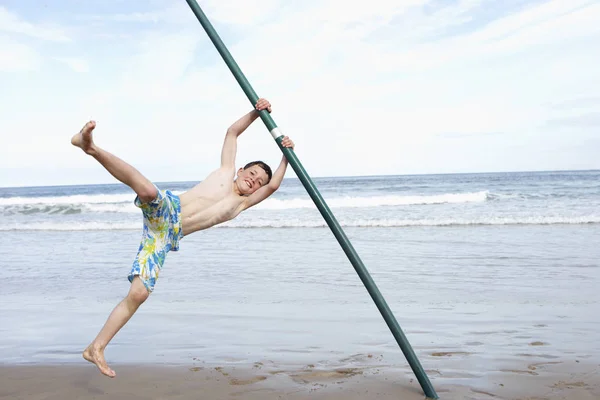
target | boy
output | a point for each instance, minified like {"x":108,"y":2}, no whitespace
{"x":167,"y":217}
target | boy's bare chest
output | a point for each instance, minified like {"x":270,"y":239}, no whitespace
{"x":211,"y":201}
{"x":215,"y":189}
{"x":205,"y":211}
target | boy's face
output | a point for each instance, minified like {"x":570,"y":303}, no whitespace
{"x":251,"y":179}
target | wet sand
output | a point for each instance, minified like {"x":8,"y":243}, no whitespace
{"x":538,"y":380}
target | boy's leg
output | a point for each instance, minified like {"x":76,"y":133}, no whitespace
{"x":116,"y":320}
{"x":118,"y":168}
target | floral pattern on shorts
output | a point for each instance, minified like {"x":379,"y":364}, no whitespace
{"x":161,"y":234}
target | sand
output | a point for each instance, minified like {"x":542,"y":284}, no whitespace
{"x":542,"y":380}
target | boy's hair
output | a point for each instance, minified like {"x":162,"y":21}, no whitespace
{"x":263,"y":166}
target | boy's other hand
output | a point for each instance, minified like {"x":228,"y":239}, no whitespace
{"x":287,"y":142}
{"x":263,"y":104}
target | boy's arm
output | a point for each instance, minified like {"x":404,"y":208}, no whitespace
{"x":275,"y":181}
{"x":236,"y":129}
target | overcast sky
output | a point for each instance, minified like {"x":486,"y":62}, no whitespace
{"x":377,"y":87}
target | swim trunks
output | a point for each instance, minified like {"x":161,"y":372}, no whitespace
{"x":161,"y":234}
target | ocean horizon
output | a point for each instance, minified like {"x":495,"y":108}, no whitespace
{"x":111,"y":181}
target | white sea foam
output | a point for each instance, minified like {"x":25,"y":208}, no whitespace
{"x":521,"y":220}
{"x":378,"y":201}
{"x":123,"y":203}
{"x":61,"y":200}
{"x":316,"y":223}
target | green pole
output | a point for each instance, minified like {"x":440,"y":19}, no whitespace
{"x":335,"y":227}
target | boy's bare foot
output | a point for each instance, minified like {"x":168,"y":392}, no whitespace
{"x":96,"y":356}
{"x":83,"y":139}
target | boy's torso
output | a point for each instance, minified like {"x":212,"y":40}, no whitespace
{"x":210,"y":202}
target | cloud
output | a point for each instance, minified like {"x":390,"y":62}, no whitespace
{"x":149,"y":13}
{"x":460,"y":135}
{"x":591,"y":119}
{"x":19,"y":51}
{"x":245,"y":14}
{"x":576,"y":103}
{"x":131,"y":17}
{"x":15,"y":56}
{"x":12,"y":23}
{"x":76,"y":64}
{"x":552,"y":22}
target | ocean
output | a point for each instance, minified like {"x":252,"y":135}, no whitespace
{"x":482,"y":269}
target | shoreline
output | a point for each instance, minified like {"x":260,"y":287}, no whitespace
{"x":539,"y":379}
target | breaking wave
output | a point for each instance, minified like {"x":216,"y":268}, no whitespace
{"x":123,"y":203}
{"x":300,"y":223}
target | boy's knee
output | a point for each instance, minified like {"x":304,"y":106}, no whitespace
{"x":138,"y":293}
{"x":147,"y":193}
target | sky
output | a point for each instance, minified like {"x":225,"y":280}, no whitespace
{"x":363,"y":88}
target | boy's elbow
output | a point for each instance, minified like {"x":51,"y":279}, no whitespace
{"x":232,"y":132}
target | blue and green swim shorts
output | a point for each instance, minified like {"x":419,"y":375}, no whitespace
{"x":161,"y":234}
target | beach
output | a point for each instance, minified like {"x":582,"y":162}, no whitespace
{"x":540,"y":381}
{"x":493,"y":279}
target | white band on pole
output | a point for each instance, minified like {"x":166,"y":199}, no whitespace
{"x":275,"y":132}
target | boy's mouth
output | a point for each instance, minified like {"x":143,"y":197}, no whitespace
{"x":248,"y":183}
